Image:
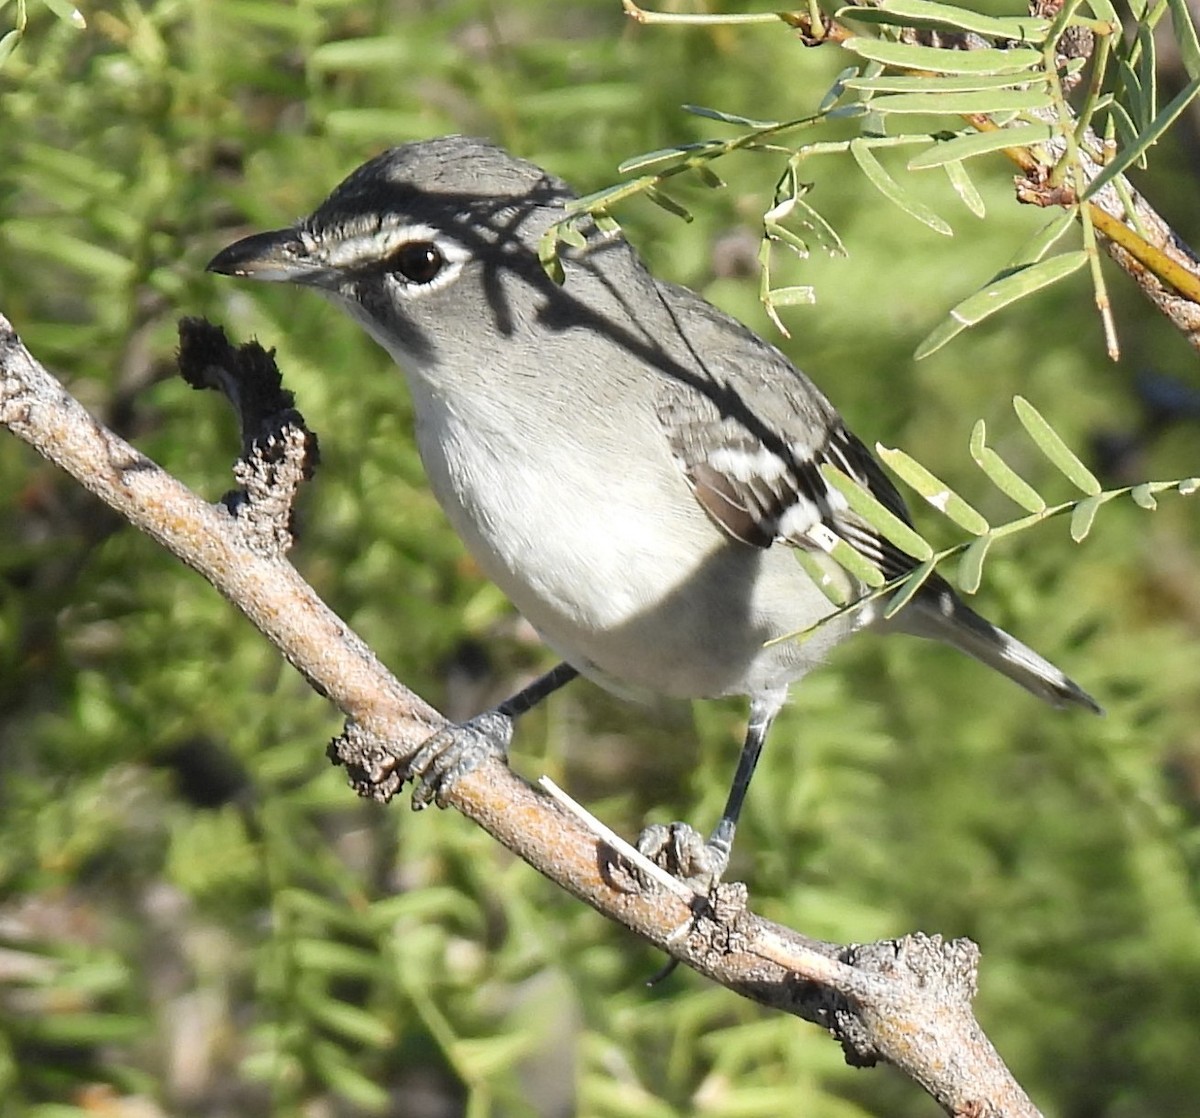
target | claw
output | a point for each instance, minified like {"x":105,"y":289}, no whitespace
{"x":682,"y":852}
{"x":450,"y":754}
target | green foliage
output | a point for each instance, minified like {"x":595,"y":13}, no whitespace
{"x":1017,"y":91}
{"x":196,"y":916}
{"x":982,"y":535}
{"x":11,"y":39}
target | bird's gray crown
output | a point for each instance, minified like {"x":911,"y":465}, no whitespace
{"x":453,"y":179}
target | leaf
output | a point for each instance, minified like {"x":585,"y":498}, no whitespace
{"x":856,"y":563}
{"x":963,"y":104}
{"x":847,"y":557}
{"x":483,"y":1058}
{"x":851,"y":110}
{"x":1053,"y":447}
{"x":332,"y":957}
{"x":8,"y":44}
{"x":334,"y":1068}
{"x":999,"y":293}
{"x":78,"y":1029}
{"x":571,"y":101}
{"x":1023,"y":29}
{"x":429,"y":905}
{"x":67,"y":12}
{"x":892,"y":190}
{"x":809,"y":219}
{"x":822,"y":230}
{"x":1003,"y":476}
{"x":548,"y":255}
{"x":1135,"y":101}
{"x":55,"y":242}
{"x":1147,"y":139}
{"x":834,"y":92}
{"x":882,"y":519}
{"x":970,"y":566}
{"x":1185,"y":36}
{"x":380,"y":52}
{"x":349,"y":1021}
{"x":933,"y":489}
{"x":1126,"y":130}
{"x":75,"y":168}
{"x":606,"y":223}
{"x":622,"y":1097}
{"x":872,"y":122}
{"x":372,"y":124}
{"x":828,"y":577}
{"x":776,"y":232}
{"x":965,"y":188}
{"x":303,"y":22}
{"x":1042,"y":241}
{"x":1082,"y":516}
{"x":905,"y":591}
{"x":732,"y":118}
{"x":570,"y":234}
{"x":332,"y":914}
{"x":663,"y":157}
{"x":942,"y":61}
{"x":1143,"y":496}
{"x":1147,"y":72}
{"x":792,"y":296}
{"x":659,"y":198}
{"x":602,"y":199}
{"x":981,"y":143}
{"x":939,"y":83}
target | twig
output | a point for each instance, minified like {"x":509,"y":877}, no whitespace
{"x":606,"y":834}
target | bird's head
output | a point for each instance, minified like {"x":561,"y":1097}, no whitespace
{"x":429,"y":246}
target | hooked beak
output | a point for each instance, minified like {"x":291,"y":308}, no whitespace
{"x":279,"y":256}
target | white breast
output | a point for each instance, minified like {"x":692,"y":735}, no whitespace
{"x":619,"y":569}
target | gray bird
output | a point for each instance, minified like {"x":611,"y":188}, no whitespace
{"x":633,"y":467}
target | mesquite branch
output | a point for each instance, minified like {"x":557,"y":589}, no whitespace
{"x":906,"y":1001}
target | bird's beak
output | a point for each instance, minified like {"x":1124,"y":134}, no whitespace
{"x":279,"y":256}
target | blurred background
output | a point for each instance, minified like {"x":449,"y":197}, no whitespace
{"x":196,"y":915}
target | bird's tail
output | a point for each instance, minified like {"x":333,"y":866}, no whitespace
{"x":939,"y":613}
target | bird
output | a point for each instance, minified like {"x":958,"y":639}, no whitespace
{"x":638,"y":471}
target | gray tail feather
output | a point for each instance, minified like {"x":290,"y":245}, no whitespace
{"x":939,"y":613}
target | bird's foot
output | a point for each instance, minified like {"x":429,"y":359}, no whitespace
{"x":450,"y":754}
{"x":684,"y":853}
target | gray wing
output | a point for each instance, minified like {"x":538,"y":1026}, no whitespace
{"x":750,"y":434}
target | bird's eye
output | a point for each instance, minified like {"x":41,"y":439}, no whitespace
{"x":418,"y":262}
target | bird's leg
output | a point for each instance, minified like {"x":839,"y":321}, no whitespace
{"x":762,"y":714}
{"x":453,"y":752}
{"x":679,"y":848}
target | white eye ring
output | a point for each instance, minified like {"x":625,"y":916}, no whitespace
{"x":386,"y":248}
{"x":428,"y":246}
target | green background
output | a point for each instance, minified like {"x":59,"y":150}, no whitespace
{"x":196,"y":915}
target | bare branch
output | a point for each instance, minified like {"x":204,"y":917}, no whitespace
{"x":906,"y":1001}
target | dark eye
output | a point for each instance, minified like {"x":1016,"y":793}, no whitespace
{"x":418,"y":262}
